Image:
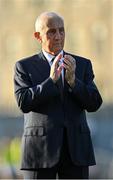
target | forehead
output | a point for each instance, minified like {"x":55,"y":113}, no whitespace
{"x":54,"y":22}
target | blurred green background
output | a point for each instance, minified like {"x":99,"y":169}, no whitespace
{"x":89,"y":33}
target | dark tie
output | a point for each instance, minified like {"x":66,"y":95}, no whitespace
{"x":60,"y":86}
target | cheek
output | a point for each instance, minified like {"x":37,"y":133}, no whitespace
{"x":45,"y":41}
{"x":63,"y":39}
{"x":48,"y":45}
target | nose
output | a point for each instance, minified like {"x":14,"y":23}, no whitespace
{"x":57,"y":35}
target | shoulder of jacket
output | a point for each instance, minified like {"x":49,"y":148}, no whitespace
{"x":27,"y":59}
{"x":80,"y":58}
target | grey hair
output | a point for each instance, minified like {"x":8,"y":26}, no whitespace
{"x":39,"y":23}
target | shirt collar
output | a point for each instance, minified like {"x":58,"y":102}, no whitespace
{"x":48,"y":56}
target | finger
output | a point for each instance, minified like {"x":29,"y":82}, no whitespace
{"x":57,"y":59}
{"x":66,"y":66}
{"x":69,"y":69}
{"x":59,"y":70}
{"x":72,"y":65}
{"x":70,"y":59}
{"x":67,"y":61}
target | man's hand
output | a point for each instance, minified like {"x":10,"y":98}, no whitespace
{"x":56,"y":69}
{"x":70,"y":66}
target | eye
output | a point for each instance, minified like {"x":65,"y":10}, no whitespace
{"x":51,"y":32}
{"x":61,"y":30}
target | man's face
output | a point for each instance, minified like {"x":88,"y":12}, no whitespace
{"x":52,"y":36}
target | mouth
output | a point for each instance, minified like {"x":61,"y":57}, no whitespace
{"x":58,"y":44}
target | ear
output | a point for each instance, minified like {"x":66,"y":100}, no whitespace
{"x":37,"y":36}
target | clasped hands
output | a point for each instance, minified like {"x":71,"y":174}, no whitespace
{"x":69,"y":64}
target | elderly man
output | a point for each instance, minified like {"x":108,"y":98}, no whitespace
{"x":54,"y":89}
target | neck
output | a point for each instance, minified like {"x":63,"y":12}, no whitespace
{"x":53,"y":53}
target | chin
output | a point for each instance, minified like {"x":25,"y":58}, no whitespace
{"x":57,"y":51}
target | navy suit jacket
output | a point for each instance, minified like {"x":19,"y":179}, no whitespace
{"x":46,"y":113}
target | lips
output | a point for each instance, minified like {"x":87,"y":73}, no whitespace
{"x":57,"y":44}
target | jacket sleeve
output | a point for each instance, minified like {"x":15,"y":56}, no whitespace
{"x":86,"y":92}
{"x":28,"y":97}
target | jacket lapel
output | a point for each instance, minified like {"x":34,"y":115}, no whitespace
{"x":42,"y":65}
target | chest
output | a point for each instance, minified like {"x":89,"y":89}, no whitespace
{"x":40,"y":72}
